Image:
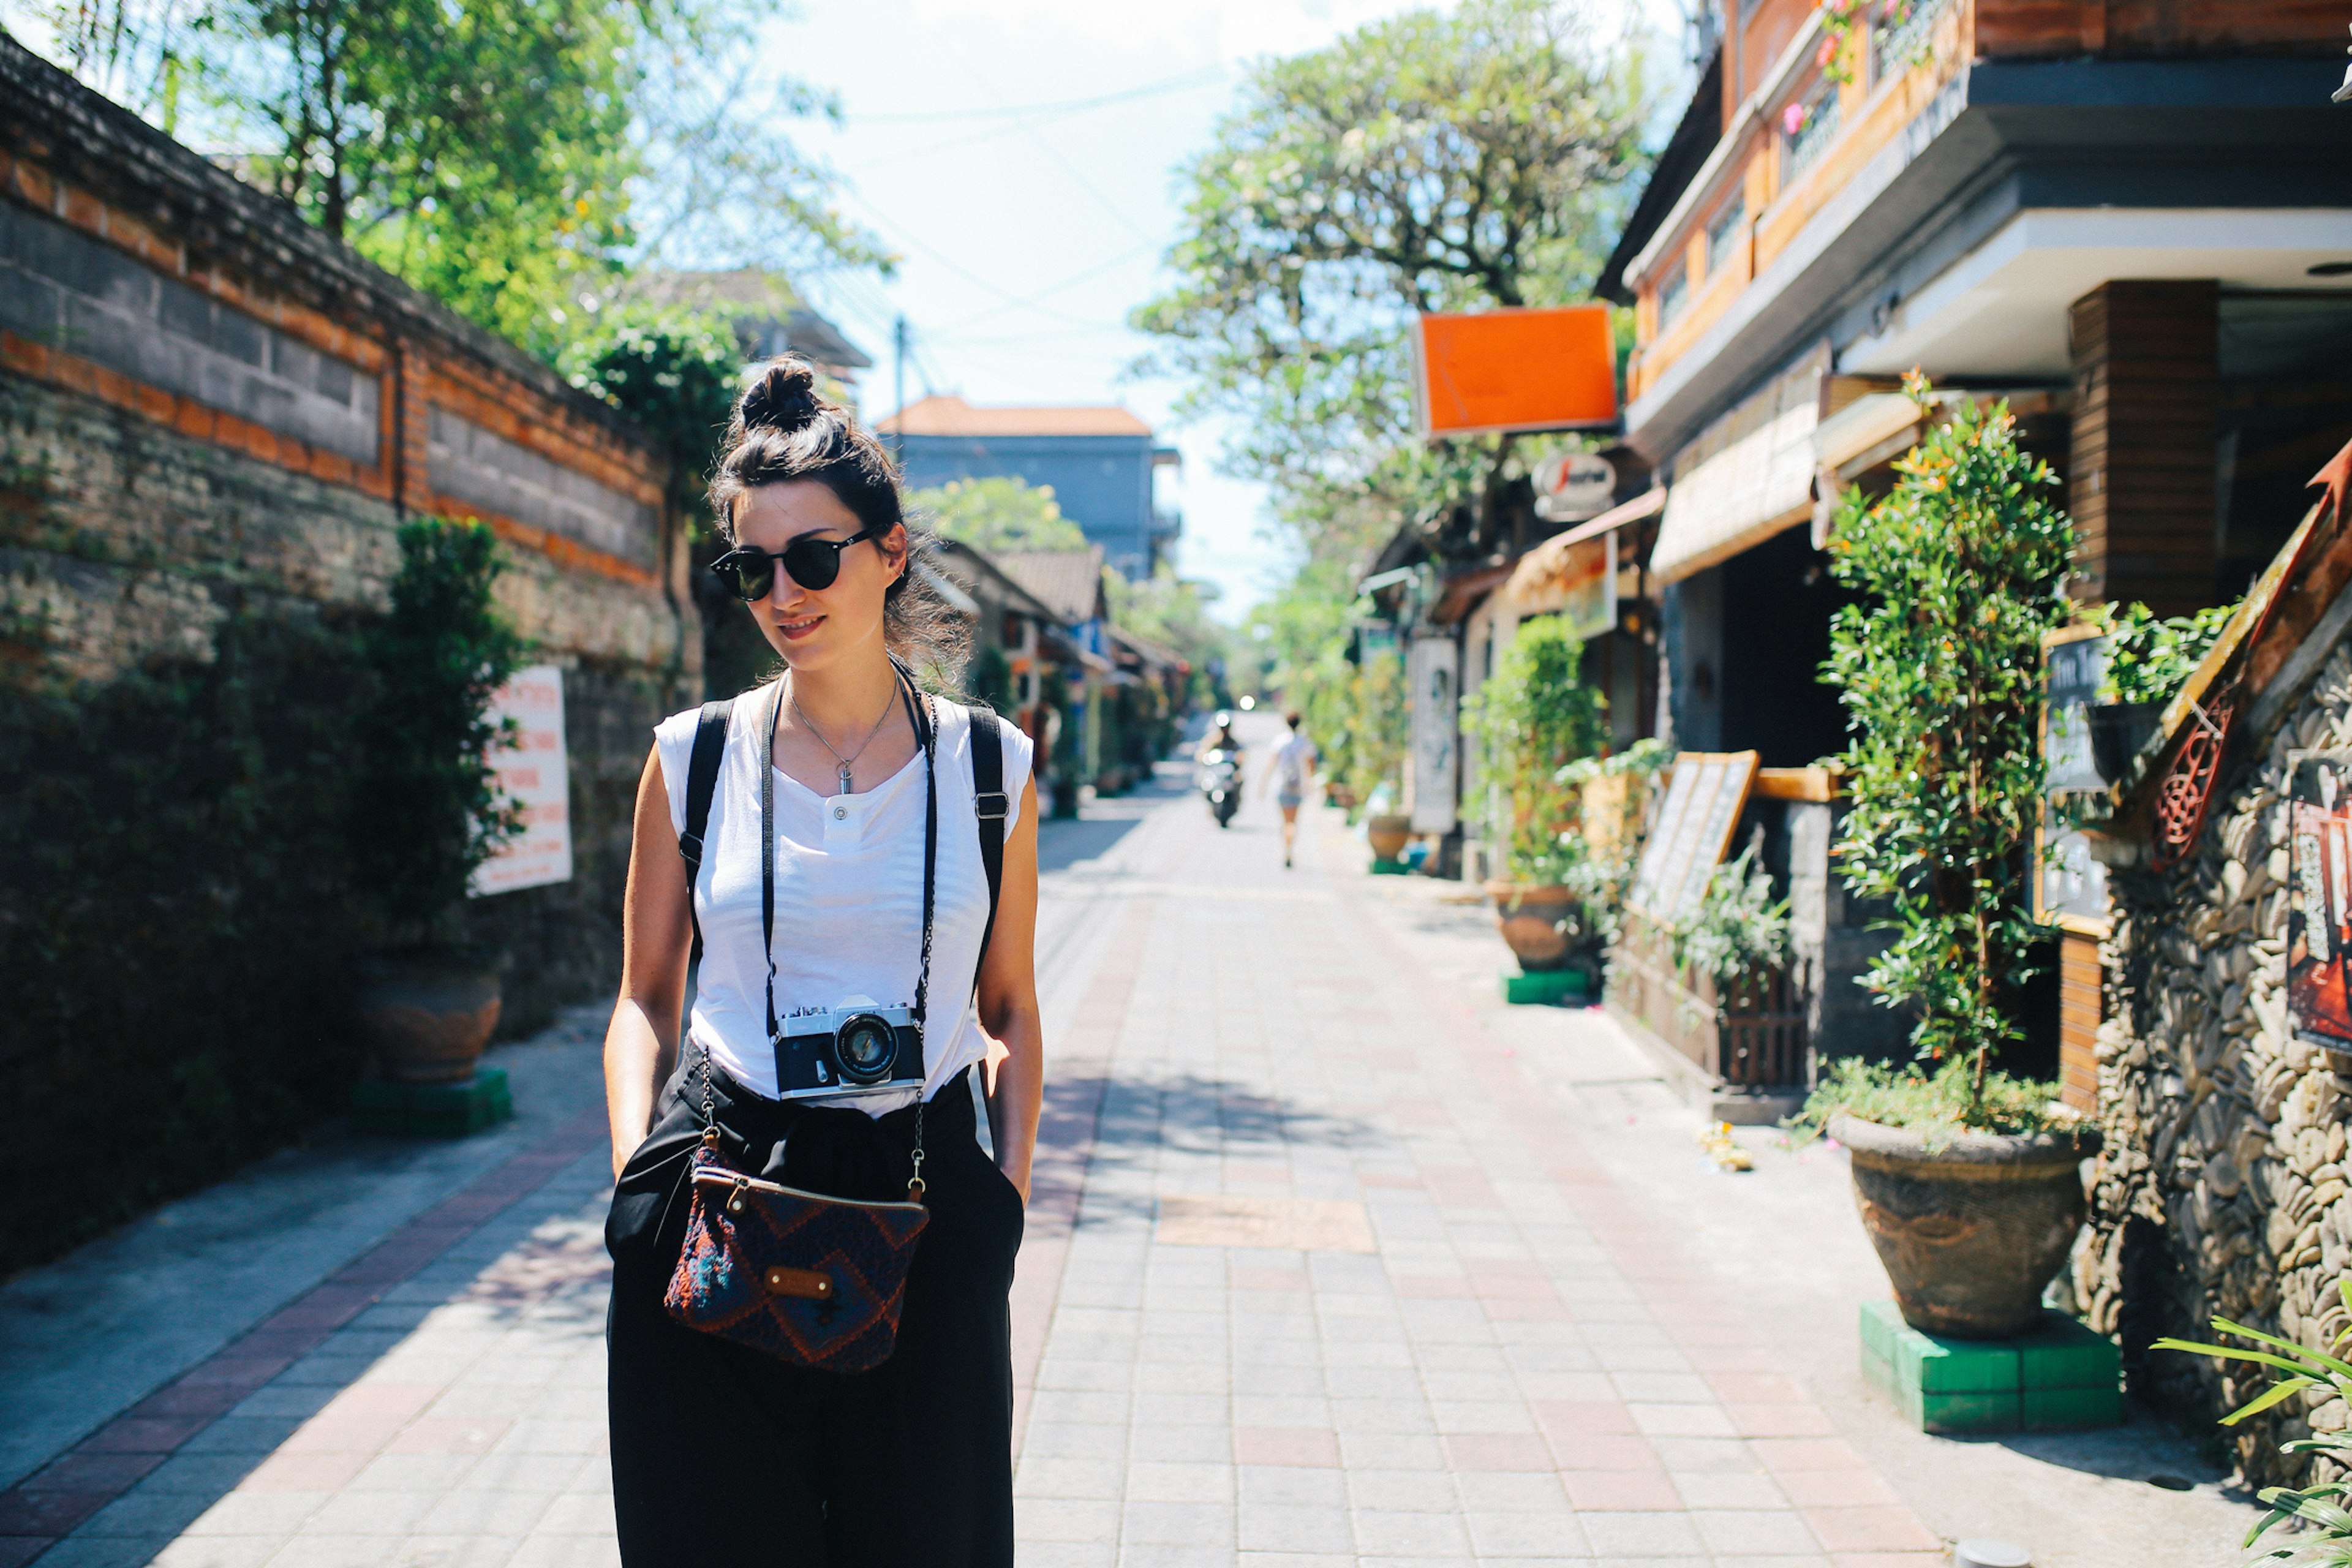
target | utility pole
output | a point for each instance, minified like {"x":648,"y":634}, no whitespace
{"x":898,"y":389}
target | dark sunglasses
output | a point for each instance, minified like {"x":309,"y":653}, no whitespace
{"x":811,"y":562}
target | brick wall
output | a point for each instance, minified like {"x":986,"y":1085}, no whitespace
{"x":207,"y":406}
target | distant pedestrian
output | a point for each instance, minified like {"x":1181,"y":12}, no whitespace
{"x":845,"y":856}
{"x":1292,"y":771}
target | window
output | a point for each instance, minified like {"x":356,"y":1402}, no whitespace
{"x":1809,"y":127}
{"x":1674,"y":294}
{"x":1722,"y":233}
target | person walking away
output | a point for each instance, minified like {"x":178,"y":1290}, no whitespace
{"x":1293,"y":769}
{"x":856,"y":859}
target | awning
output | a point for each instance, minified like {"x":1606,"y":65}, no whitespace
{"x":1538,"y":577}
{"x":1758,"y":485}
{"x":1461,"y":595}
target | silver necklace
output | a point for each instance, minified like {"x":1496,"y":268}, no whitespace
{"x":810,"y":724}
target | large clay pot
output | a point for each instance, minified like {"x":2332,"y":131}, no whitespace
{"x":426,"y":1013}
{"x":1387,"y":835}
{"x":1532,"y":923}
{"x":1972,"y":1228}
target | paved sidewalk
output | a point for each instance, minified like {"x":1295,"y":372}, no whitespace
{"x":1331,"y":1261}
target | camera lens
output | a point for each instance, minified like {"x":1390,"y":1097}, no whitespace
{"x":867,"y":1048}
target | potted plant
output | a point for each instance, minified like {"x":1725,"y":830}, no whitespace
{"x":1529,"y":720}
{"x":1966,"y":1179}
{"x":427,"y":808}
{"x":2148,"y":661}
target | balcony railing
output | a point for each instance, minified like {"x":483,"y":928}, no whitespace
{"x":1815,"y":125}
{"x":1903,"y":36}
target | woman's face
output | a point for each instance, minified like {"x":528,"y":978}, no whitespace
{"x":812,"y":629}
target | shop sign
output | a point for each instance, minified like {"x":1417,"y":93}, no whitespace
{"x":2319,"y":905}
{"x":1515,"y":370}
{"x":534,"y":773}
{"x":1574,"y":486}
{"x":1432,"y":667}
{"x":2070,"y":888}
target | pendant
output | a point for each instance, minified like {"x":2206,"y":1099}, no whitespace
{"x":844,"y":778}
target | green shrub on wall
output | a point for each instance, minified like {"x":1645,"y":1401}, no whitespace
{"x":177,"y":914}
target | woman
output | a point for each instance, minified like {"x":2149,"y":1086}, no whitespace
{"x":722,"y":1454}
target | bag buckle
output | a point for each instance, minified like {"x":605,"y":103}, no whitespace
{"x":994,"y":802}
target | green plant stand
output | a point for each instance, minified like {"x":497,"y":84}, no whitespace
{"x":1390,"y":868}
{"x":1543,"y":987}
{"x":2061,"y":1376}
{"x":433,"y":1109}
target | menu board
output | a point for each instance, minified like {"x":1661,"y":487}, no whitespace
{"x":2070,"y":888}
{"x":1694,"y":829}
{"x":2319,"y":907}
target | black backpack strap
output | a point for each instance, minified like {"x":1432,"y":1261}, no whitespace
{"x":992,"y":804}
{"x":701,"y":783}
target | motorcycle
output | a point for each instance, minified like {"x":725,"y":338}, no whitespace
{"x":1221,"y":783}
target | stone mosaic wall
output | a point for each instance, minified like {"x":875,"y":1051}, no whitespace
{"x":2224,"y":1190}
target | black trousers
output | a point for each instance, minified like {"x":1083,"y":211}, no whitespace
{"x":724,"y":1457}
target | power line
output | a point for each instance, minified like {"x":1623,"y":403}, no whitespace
{"x":1066,"y":106}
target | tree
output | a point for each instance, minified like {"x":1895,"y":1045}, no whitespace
{"x":513,"y":158}
{"x":996,"y":515}
{"x":1173,"y":612}
{"x":1962,"y":569}
{"x":1428,"y":162}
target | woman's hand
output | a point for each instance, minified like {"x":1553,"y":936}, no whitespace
{"x":641,"y":1043}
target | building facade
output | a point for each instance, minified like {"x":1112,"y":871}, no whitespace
{"x":1100,"y":462}
{"x":2133,"y":223}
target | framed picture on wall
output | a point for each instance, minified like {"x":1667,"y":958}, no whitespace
{"x":2319,"y":897}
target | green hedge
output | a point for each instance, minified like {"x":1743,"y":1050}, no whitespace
{"x":176,"y":922}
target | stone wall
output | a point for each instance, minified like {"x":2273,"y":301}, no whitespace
{"x":2223,"y":1188}
{"x":209,"y":408}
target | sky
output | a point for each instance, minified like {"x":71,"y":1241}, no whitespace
{"x":1021,"y":157}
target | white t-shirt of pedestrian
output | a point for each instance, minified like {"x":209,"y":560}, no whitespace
{"x":1292,"y":759}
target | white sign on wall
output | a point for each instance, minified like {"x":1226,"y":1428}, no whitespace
{"x":1434,"y":669}
{"x":534,"y":774}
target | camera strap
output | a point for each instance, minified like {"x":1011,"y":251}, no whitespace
{"x":918,"y":718}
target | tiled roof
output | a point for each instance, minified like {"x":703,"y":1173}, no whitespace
{"x":1068,"y":580}
{"x":954,"y":417}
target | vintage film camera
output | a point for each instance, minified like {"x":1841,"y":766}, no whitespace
{"x":857,"y":1047}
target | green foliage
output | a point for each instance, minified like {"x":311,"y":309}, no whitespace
{"x":997,"y":515}
{"x":1528,"y":721}
{"x":990,"y":678}
{"x":1433,"y":161}
{"x":1739,"y":931}
{"x":514,"y":158}
{"x":2326,"y":1538}
{"x":1942,"y":1104}
{"x":1962,"y":569}
{"x":675,"y":374}
{"x":2151,"y":659}
{"x":1172,"y":612}
{"x":426,"y":789}
{"x":178,"y":905}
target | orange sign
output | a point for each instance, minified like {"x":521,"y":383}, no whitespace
{"x":1515,"y":370}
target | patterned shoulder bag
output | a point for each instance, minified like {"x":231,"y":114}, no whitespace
{"x":815,"y":1281}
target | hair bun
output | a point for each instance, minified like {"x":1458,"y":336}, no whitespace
{"x":781,"y":397}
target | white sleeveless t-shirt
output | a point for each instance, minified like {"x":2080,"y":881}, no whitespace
{"x":850,"y":897}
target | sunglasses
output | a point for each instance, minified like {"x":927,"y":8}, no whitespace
{"x":811,"y":562}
